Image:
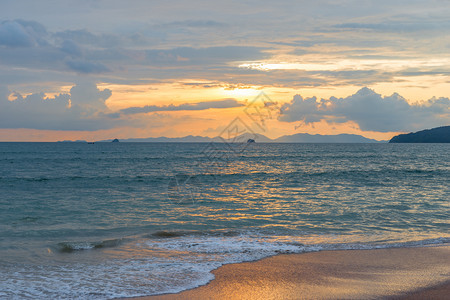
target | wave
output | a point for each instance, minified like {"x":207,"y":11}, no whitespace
{"x":29,"y":219}
{"x":68,"y":247}
{"x":187,"y":256}
{"x":256,"y":244}
{"x":180,"y":233}
{"x":253,"y":245}
{"x":224,"y":173}
{"x":88,"y":178}
{"x":307,"y":172}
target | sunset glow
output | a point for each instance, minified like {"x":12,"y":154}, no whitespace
{"x":64,"y":80}
{"x":209,"y":149}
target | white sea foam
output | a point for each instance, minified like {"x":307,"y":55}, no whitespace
{"x":170,"y":266}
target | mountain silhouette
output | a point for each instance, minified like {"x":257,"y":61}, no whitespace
{"x":434,"y":135}
{"x":259,"y":138}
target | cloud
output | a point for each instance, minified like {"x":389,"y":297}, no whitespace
{"x":87,"y":38}
{"x":12,"y":34}
{"x":225,"y":103}
{"x":399,"y":25}
{"x":82,"y":36}
{"x":87,"y":94}
{"x":371,"y":111}
{"x":307,"y":110}
{"x":204,"y":56}
{"x":82,"y":109}
{"x":4,"y":93}
{"x":21,"y":33}
{"x":27,"y":44}
{"x":195,"y":24}
{"x":71,"y":48}
{"x":87,"y":67}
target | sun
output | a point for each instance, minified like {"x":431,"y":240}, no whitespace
{"x":241,"y":92}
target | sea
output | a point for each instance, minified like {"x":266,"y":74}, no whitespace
{"x":111,"y":220}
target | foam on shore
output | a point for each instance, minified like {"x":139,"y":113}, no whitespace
{"x":350,"y":274}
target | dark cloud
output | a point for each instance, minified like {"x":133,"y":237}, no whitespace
{"x":196,"y":24}
{"x":202,"y":56}
{"x":14,"y":34}
{"x":33,"y":27}
{"x":27,"y":44}
{"x":370,"y":110}
{"x":87,"y":67}
{"x":4,"y":93}
{"x":32,"y":58}
{"x":399,"y":25}
{"x":225,"y":103}
{"x":82,"y":36}
{"x":21,"y":33}
{"x":71,"y":48}
{"x":87,"y":38}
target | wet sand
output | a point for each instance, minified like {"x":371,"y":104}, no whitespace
{"x":441,"y":291}
{"x":397,"y":273}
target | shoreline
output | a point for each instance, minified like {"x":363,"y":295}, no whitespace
{"x":391,"y":273}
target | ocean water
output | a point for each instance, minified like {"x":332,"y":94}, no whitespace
{"x":107,"y":220}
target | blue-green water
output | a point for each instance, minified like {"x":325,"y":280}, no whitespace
{"x":112,"y":220}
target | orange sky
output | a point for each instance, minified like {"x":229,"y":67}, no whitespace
{"x":150,"y":69}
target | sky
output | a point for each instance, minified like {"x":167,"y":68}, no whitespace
{"x":103,"y":69}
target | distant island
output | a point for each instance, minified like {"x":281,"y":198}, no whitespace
{"x":77,"y":141}
{"x":258,"y":138}
{"x":319,"y":138}
{"x":434,"y":135}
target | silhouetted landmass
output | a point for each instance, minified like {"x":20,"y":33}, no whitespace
{"x":77,"y":141}
{"x":243,"y":138}
{"x":115,"y":141}
{"x":258,"y":138}
{"x":434,"y":135}
{"x":163,"y":139}
{"x":318,"y":138}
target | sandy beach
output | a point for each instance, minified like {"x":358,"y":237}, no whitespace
{"x":397,"y":273}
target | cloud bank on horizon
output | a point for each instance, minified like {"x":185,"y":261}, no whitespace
{"x":103,"y":65}
{"x":371,"y":111}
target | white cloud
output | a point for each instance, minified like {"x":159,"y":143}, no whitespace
{"x":82,"y":109}
{"x":371,"y":111}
